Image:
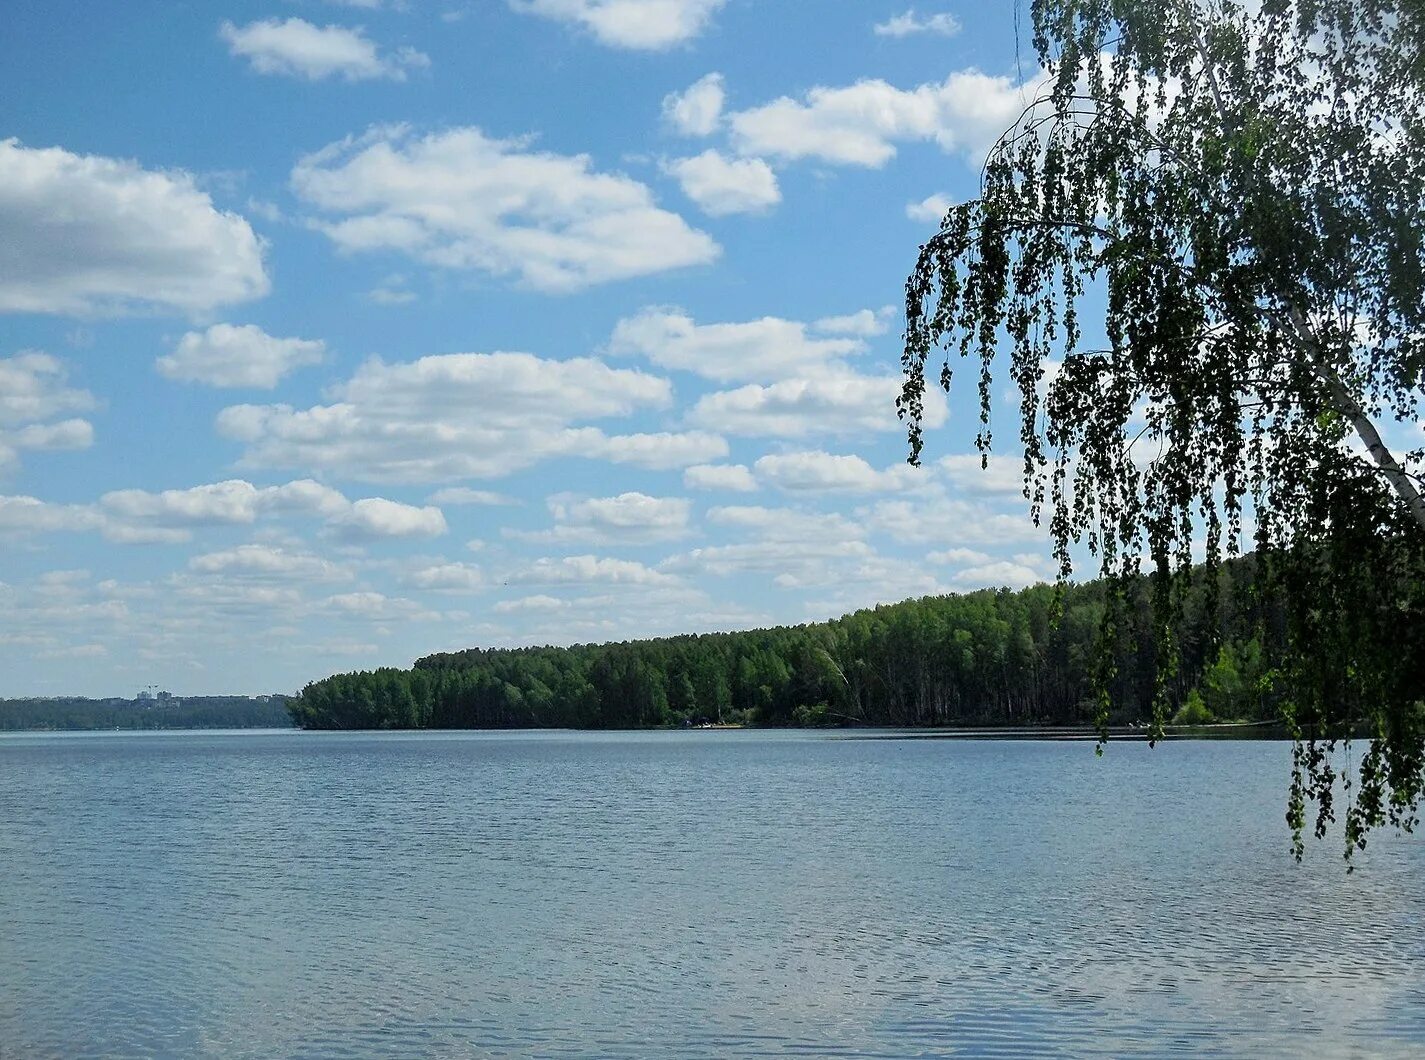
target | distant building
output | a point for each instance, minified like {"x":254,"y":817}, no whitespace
{"x":165,"y":696}
{"x":145,"y":696}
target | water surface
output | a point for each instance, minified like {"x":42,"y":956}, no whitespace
{"x":705,"y":894}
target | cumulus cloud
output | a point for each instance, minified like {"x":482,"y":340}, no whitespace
{"x":1000,"y":475}
{"x":1012,"y":574}
{"x":294,"y":47}
{"x":833,"y":404}
{"x":465,"y":495}
{"x":722,"y":186}
{"x":371,"y":606}
{"x":821,"y":472}
{"x":539,"y":602}
{"x":697,"y":110}
{"x":786,"y":524}
{"x":861,"y":124}
{"x":865,"y":323}
{"x":735,"y":478}
{"x":461,"y":200}
{"x":782,"y":558}
{"x":448,"y":578}
{"x":959,"y":556}
{"x":83,"y":234}
{"x":588,"y":570}
{"x":766,"y":349}
{"x":934,"y":518}
{"x":930,"y":210}
{"x":23,"y":516}
{"x":135,"y":516}
{"x":627,"y":519}
{"x":909,"y":24}
{"x":33,"y":391}
{"x":261,"y":561}
{"x":377,"y":517}
{"x":466,"y":415}
{"x":662,"y":451}
{"x":226,"y":355}
{"x":646,"y":25}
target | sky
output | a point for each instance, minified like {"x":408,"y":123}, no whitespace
{"x":333,"y":334}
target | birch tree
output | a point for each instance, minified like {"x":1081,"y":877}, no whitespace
{"x":1238,"y":188}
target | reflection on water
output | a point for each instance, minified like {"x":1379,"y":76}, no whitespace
{"x":685,"y":895}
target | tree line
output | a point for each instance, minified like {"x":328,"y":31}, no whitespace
{"x":190,"y":712}
{"x":1033,"y":657}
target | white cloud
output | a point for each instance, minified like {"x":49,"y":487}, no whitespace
{"x":861,"y":124}
{"x":375,"y":517}
{"x":33,"y":390}
{"x":449,"y":578}
{"x":296,"y":48}
{"x":226,"y":355}
{"x":733,"y":477}
{"x":659,"y":452}
{"x":391,"y":296}
{"x":537,"y":603}
{"x":697,"y":110}
{"x":267,"y":561}
{"x":21,"y":515}
{"x":865,"y":323}
{"x":821,"y":472}
{"x":1001,"y":475}
{"x":84,"y":234}
{"x":465,"y":495}
{"x":465,"y":415}
{"x":959,"y":557}
{"x":792,"y":525}
{"x":765,"y":349}
{"x":836,"y":403}
{"x":629,"y":518}
{"x":377,"y":607}
{"x":134,"y":516}
{"x":930,"y":210}
{"x":649,"y":25}
{"x":910,"y":23}
{"x":722,"y":186}
{"x":779,"y":558}
{"x":932,"y":518}
{"x":588,"y":569}
{"x":461,"y":200}
{"x":1000,"y":573}
{"x":235,"y":501}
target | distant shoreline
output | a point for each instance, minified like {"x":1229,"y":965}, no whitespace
{"x":1225,"y":731}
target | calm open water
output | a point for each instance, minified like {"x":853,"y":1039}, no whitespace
{"x":705,"y":894}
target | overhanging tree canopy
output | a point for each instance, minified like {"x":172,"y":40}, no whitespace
{"x":1245,"y":183}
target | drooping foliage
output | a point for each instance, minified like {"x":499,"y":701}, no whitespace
{"x":1238,"y":189}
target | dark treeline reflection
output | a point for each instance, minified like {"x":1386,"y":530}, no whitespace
{"x":993,"y":657}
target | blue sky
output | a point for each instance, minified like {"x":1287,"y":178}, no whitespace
{"x":337,"y":333}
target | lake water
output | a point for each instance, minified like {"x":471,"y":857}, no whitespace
{"x":704,"y":894}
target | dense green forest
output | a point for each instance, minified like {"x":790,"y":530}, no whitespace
{"x":189,"y":712}
{"x":993,"y":657}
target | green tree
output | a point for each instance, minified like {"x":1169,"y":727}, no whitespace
{"x":1244,"y":186}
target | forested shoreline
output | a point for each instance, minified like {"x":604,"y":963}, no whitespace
{"x":75,"y":713}
{"x":985,"y":658}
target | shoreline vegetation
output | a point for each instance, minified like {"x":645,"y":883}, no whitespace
{"x":80,"y":714}
{"x":988,"y":660}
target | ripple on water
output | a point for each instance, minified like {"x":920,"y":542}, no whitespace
{"x":684,"y":895}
